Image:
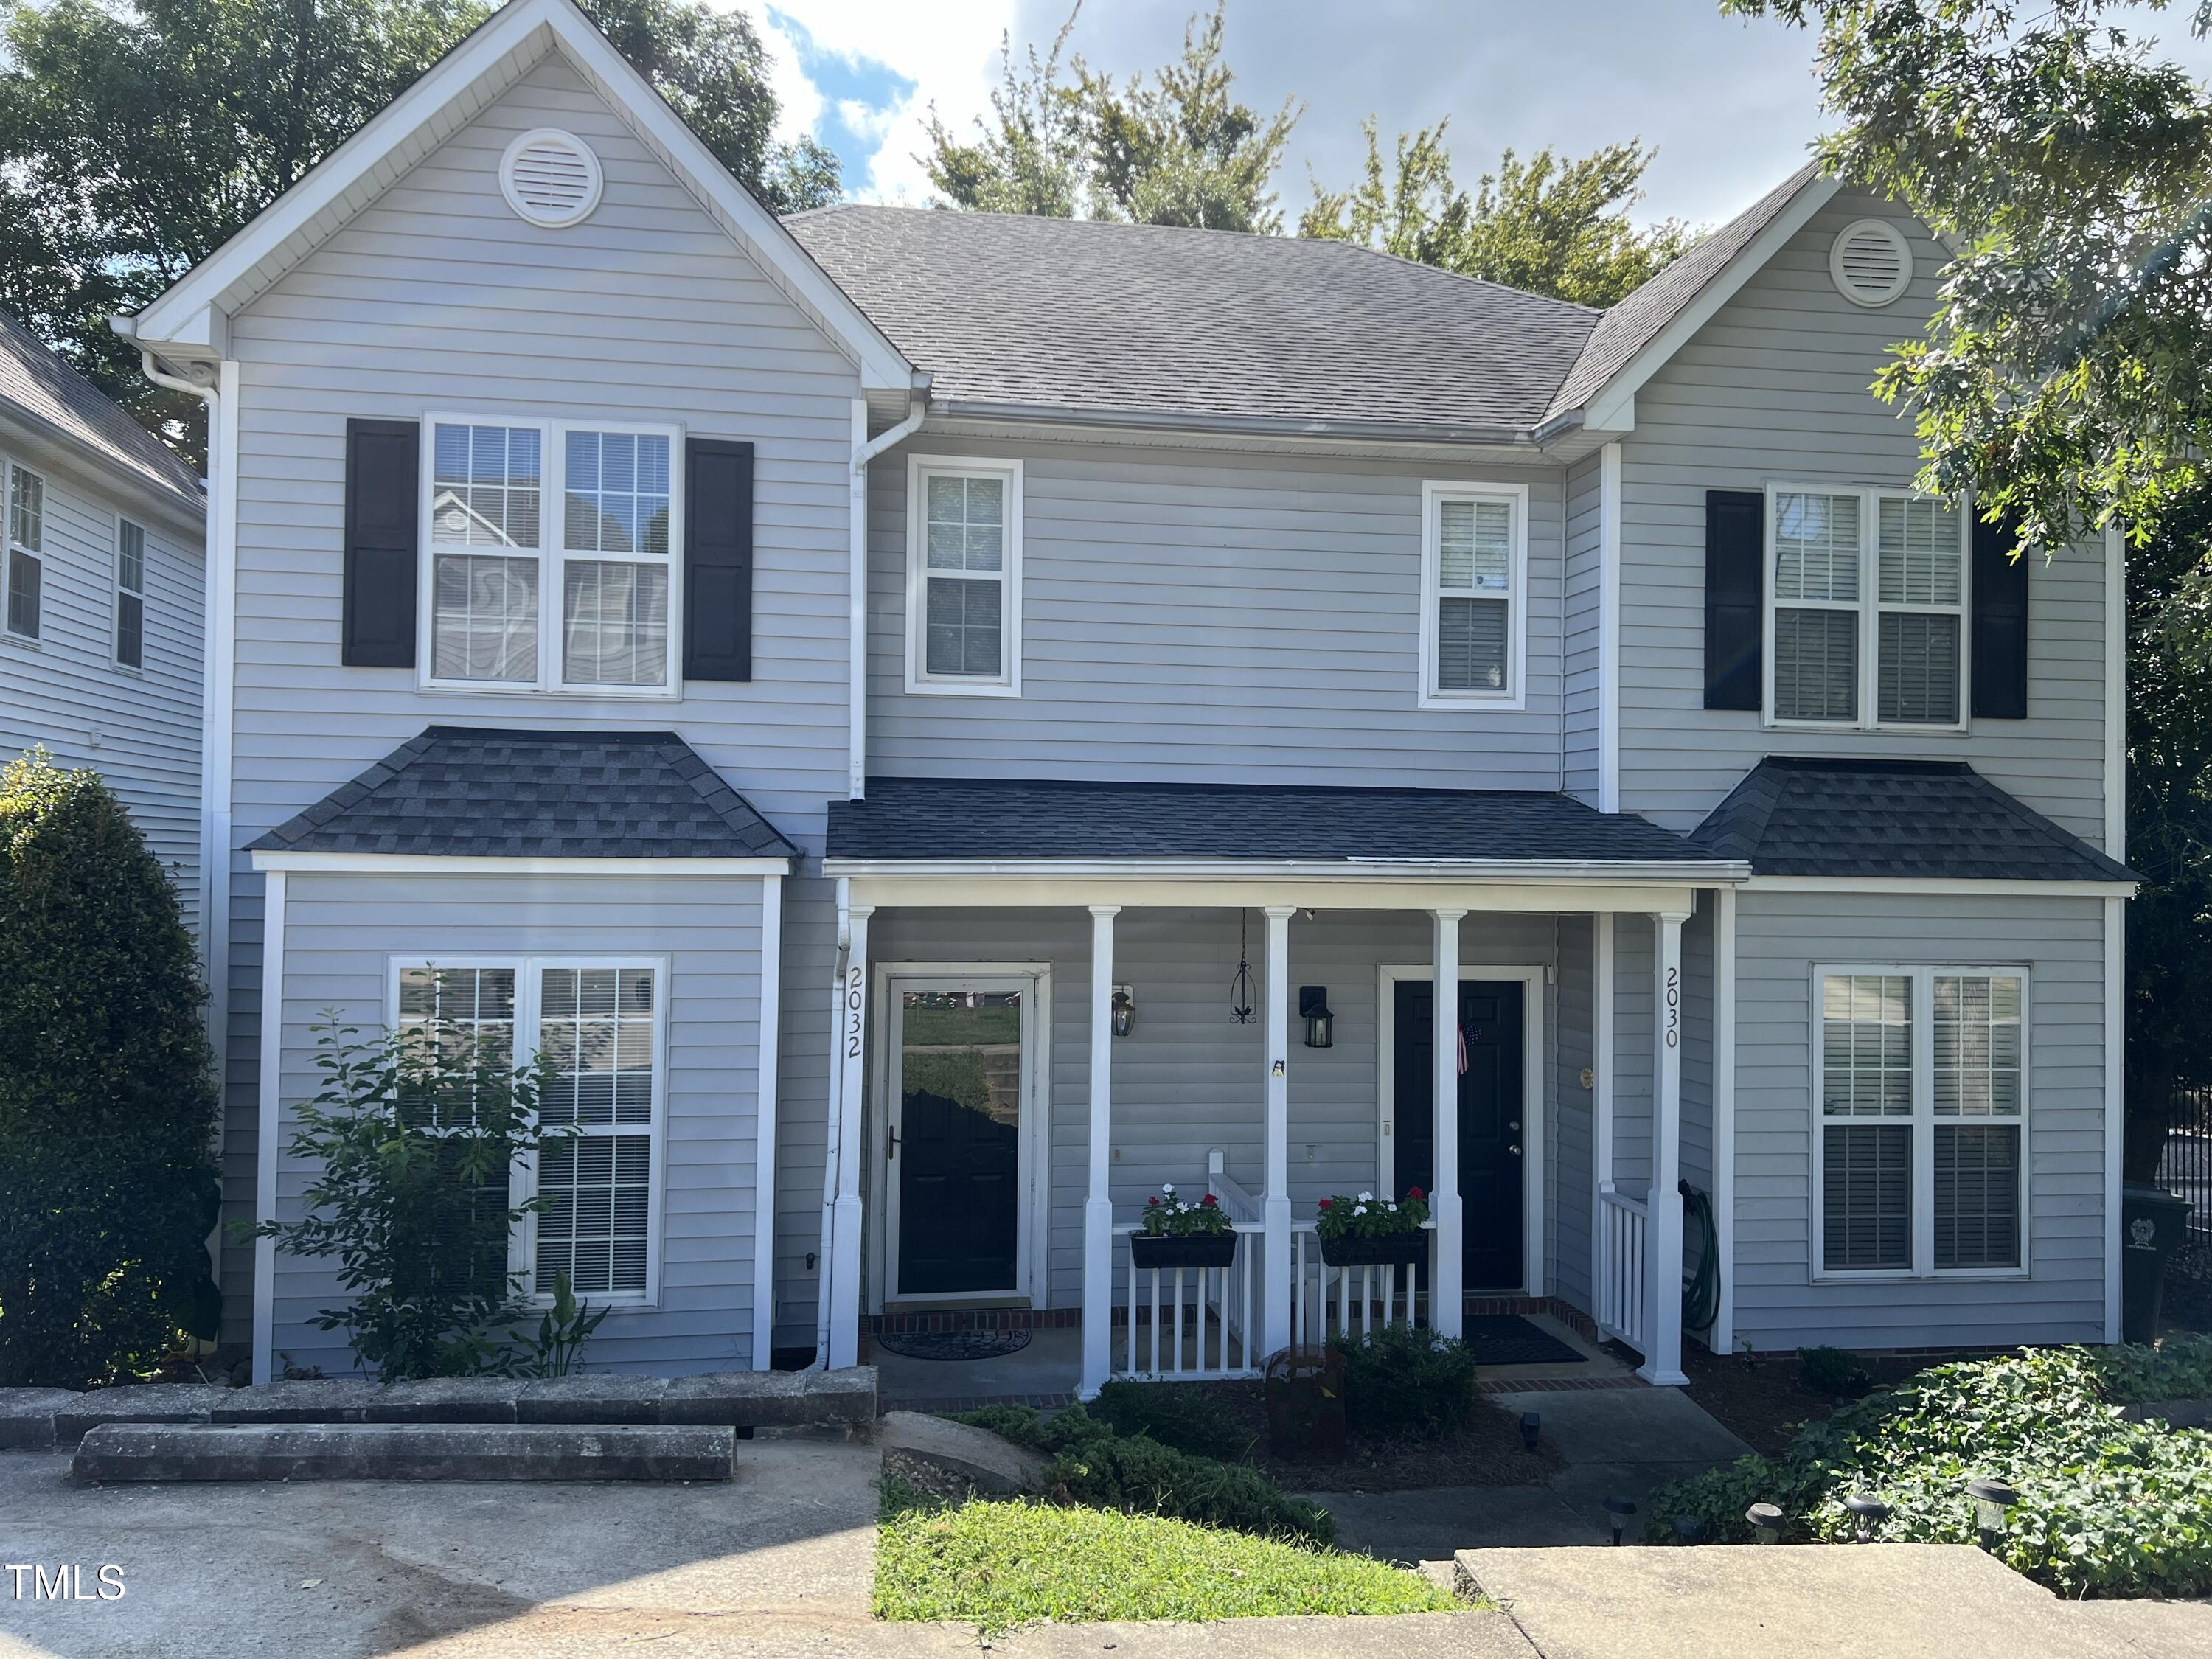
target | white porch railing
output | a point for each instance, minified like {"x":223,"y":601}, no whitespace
{"x":1337,"y":1301}
{"x":1624,"y":1223}
{"x":1190,"y":1324}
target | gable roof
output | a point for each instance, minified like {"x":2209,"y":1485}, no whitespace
{"x":462,"y":792}
{"x":1014,"y":315}
{"x":1716,"y":265}
{"x":491,"y":59}
{"x":1938,"y":820}
{"x":40,"y":387}
{"x":993,"y":819}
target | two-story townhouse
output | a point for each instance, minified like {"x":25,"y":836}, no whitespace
{"x":940,"y":723}
{"x":102,"y":594}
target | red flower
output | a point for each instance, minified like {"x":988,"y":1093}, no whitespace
{"x":1151,"y":1201}
{"x":1415,"y":1194}
{"x":1325,"y":1203}
{"x":1209,"y":1202}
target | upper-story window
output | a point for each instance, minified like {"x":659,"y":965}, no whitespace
{"x":549,"y":547}
{"x":1866,"y":618}
{"x":129,"y":595}
{"x":963,"y":576}
{"x":1475,"y":574}
{"x":27,"y":551}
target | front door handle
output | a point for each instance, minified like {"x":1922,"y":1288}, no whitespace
{"x":1514,"y":1148}
{"x":890,"y":1142}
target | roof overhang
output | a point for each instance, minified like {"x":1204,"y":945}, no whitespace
{"x":191,"y":318}
{"x":470,"y":865}
{"x":1943,"y":887}
{"x":54,"y":447}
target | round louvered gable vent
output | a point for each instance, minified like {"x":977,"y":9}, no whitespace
{"x":550,"y":178}
{"x":1871,"y":262}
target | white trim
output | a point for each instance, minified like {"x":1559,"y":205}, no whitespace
{"x":265,"y":1139}
{"x":595,"y":179}
{"x":1603,"y":992}
{"x":1931,"y":887}
{"x":438,"y":864}
{"x":1700,"y":873}
{"x":2116,"y":694}
{"x":502,"y":50}
{"x":117,"y":592}
{"x":1017,"y":892}
{"x":1098,"y":1134}
{"x":1869,"y":608}
{"x":529,"y":969}
{"x":1608,"y":623}
{"x":1723,"y":1335}
{"x":1662,"y":1319}
{"x":1920,"y":1025}
{"x":1534,"y":1044}
{"x":1007,"y":682}
{"x":2115,"y":1137}
{"x":1604,"y":408}
{"x":1898,"y":242}
{"x":1029,"y":981}
{"x":856,"y":611}
{"x":1434,"y":494}
{"x":769,"y":1049}
{"x":9,"y":548}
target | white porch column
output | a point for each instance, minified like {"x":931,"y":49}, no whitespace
{"x":1275,"y":1197}
{"x":1662,"y":1318}
{"x":1098,"y":1204}
{"x":1446,"y":1293}
{"x":844,"y":1215}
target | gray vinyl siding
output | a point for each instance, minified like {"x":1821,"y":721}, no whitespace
{"x":1217,"y":616}
{"x":342,"y":931}
{"x":1573,"y":1126}
{"x":1583,"y":633}
{"x":439,"y":298}
{"x":139,"y":729}
{"x":1780,"y":940}
{"x":1634,"y":1035}
{"x":1189,"y":1080}
{"x":1697,"y":1144}
{"x":1775,"y":387}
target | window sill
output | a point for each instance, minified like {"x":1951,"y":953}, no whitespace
{"x":1941,"y":1276}
{"x":1473,"y":702}
{"x":956,"y":689}
{"x":1852,"y":728}
{"x":568,"y":694}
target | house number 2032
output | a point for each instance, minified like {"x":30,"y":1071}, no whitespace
{"x":856,"y":1009}
{"x":1673,"y":1007}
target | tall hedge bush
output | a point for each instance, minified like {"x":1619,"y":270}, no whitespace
{"x":107,"y":1102}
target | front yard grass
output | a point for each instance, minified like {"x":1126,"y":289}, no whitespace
{"x":999,"y":1564}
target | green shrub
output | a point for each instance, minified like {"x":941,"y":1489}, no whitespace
{"x":107,"y":1102}
{"x":1183,"y":1415}
{"x":2107,"y":1507}
{"x":1018,"y":1424}
{"x":1138,"y":1475}
{"x":2179,"y":1368}
{"x":1837,"y":1371}
{"x":1402,"y":1381}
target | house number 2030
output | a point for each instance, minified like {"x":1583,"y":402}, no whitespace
{"x":1673,"y":1007}
{"x":855,"y":1008}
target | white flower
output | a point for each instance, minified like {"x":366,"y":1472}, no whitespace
{"x":1167,"y":1189}
{"x":1367,"y":1198}
{"x":1392,"y":1206}
{"x":1359,"y":1209}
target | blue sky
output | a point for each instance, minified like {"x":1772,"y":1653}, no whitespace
{"x":1730,"y":105}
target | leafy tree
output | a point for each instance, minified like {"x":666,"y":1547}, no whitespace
{"x":1174,"y":148}
{"x":2063,"y":377}
{"x":137,"y":136}
{"x":107,"y":1102}
{"x":1546,"y":225}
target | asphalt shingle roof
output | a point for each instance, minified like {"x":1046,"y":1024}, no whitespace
{"x":458,"y":792}
{"x":52,"y":394}
{"x":965,"y":818}
{"x":1930,"y":819}
{"x":1104,"y":319}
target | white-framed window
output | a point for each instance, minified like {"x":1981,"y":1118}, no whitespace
{"x":1866,"y":609}
{"x":600,"y":1024}
{"x":25,"y":544}
{"x":1474,"y":579}
{"x":551,"y":556}
{"x":1920,"y":1141}
{"x":129,"y":595}
{"x":964,"y":594}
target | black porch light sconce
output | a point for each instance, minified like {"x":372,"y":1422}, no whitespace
{"x":1313,"y":1008}
{"x":1124,"y":1011}
{"x":1992,"y":1500}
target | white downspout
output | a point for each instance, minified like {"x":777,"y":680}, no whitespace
{"x":865,"y":449}
{"x":832,"y":1143}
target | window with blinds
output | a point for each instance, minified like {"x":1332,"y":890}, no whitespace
{"x":1474,"y":547}
{"x":964,"y":577}
{"x":1921,"y":1149}
{"x":129,"y":595}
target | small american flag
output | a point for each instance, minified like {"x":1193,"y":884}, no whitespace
{"x":1462,"y":1050}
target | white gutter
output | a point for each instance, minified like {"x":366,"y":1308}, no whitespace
{"x":1516,"y":871}
{"x":864,"y":450}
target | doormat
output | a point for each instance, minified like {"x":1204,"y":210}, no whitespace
{"x":953,"y":1345}
{"x":1510,"y":1339}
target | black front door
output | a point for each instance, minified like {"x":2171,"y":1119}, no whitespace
{"x":958,"y":1152}
{"x":1490,"y":1127}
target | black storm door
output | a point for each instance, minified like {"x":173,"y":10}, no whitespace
{"x":1490,"y":1123}
{"x":956,"y":1145}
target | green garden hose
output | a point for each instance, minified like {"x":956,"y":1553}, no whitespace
{"x":1701,"y":1286}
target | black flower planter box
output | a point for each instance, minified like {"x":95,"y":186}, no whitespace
{"x":1192,"y":1250}
{"x":1387,"y":1250}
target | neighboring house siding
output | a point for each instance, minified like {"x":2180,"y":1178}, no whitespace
{"x":438,"y":298}
{"x":140,"y":729}
{"x":343,"y":931}
{"x":1215,"y":615}
{"x":1583,"y":645}
{"x":1776,"y":387}
{"x":1780,"y":940}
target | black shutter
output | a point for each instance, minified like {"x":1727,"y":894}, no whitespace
{"x":717,"y":560}
{"x":1735,"y":570}
{"x":383,"y":483}
{"x":2000,"y":625}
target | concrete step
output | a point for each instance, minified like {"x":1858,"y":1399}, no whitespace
{"x":115,"y":1452}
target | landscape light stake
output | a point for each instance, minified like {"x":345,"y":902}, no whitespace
{"x":1992,"y":1499}
{"x":1689,"y":1529}
{"x":1767,"y":1521}
{"x":1869,"y":1513}
{"x":1532,"y":1424}
{"x":1622,"y":1508}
